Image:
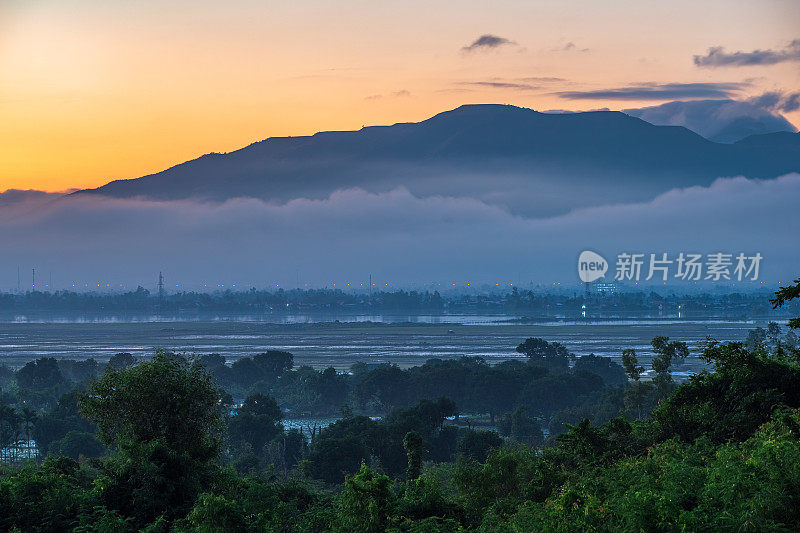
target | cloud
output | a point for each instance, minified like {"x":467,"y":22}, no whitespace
{"x":528,"y":83}
{"x":780,"y":101}
{"x":658,"y":91}
{"x":569,"y":47}
{"x":792,"y":103}
{"x":487,"y":41}
{"x":396,"y":236}
{"x":542,"y":79}
{"x":724,"y":121}
{"x":502,"y":85}
{"x":572,"y":111}
{"x":403,"y":93}
{"x":718,"y":57}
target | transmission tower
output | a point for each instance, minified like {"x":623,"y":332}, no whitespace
{"x":160,"y":287}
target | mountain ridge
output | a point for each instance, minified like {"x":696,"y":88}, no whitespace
{"x":461,"y":152}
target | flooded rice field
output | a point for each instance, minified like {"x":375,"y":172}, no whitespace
{"x":340,"y":344}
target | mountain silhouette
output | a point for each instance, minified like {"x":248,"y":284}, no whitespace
{"x":529,"y":162}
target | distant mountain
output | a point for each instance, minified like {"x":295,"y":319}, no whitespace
{"x":533,"y":163}
{"x":17,"y":196}
{"x":724,"y":121}
{"x":16,"y":201}
{"x":780,"y":142}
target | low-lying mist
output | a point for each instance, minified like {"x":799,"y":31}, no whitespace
{"x":395,"y":236}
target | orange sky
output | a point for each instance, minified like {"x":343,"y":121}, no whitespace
{"x":92,"y":91}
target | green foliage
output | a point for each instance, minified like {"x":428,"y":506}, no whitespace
{"x":309,"y":391}
{"x":422,"y":505}
{"x":45,"y":498}
{"x":732,"y":402}
{"x":80,"y":372}
{"x":162,"y":417}
{"x":332,"y":458}
{"x":667,"y":353}
{"x":631,"y":364}
{"x":256,"y":374}
{"x":216,"y":514}
{"x":751,"y":486}
{"x":9,"y":427}
{"x":612,"y":373}
{"x":551,"y":355}
{"x":77,"y":444}
{"x":255,"y":423}
{"x":640,"y":398}
{"x":121,"y":361}
{"x":286,"y":450}
{"x":510,"y":476}
{"x":365,"y":503}
{"x":476,"y":445}
{"x":521,"y":427}
{"x":340,"y":448}
{"x":785,"y":295}
{"x":41,"y":382}
{"x":63,"y":418}
{"x":555,"y":392}
{"x":385,"y":387}
{"x":40,"y":374}
{"x":413,"y":444}
{"x":719,"y":453}
{"x":166,"y":399}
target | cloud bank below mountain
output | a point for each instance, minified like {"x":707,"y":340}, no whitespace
{"x":397,"y":237}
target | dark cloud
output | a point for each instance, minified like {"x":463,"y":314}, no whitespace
{"x":718,"y":57}
{"x":779,"y":101}
{"x":487,"y":41}
{"x":658,"y":91}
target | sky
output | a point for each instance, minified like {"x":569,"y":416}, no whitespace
{"x":92,"y":90}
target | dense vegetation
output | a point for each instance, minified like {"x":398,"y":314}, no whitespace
{"x":158,"y":445}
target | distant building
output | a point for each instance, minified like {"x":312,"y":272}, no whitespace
{"x":605,"y":289}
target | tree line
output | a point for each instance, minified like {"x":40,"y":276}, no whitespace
{"x":527,"y":303}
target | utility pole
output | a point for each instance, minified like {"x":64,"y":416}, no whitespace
{"x":370,"y":290}
{"x":33,"y":278}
